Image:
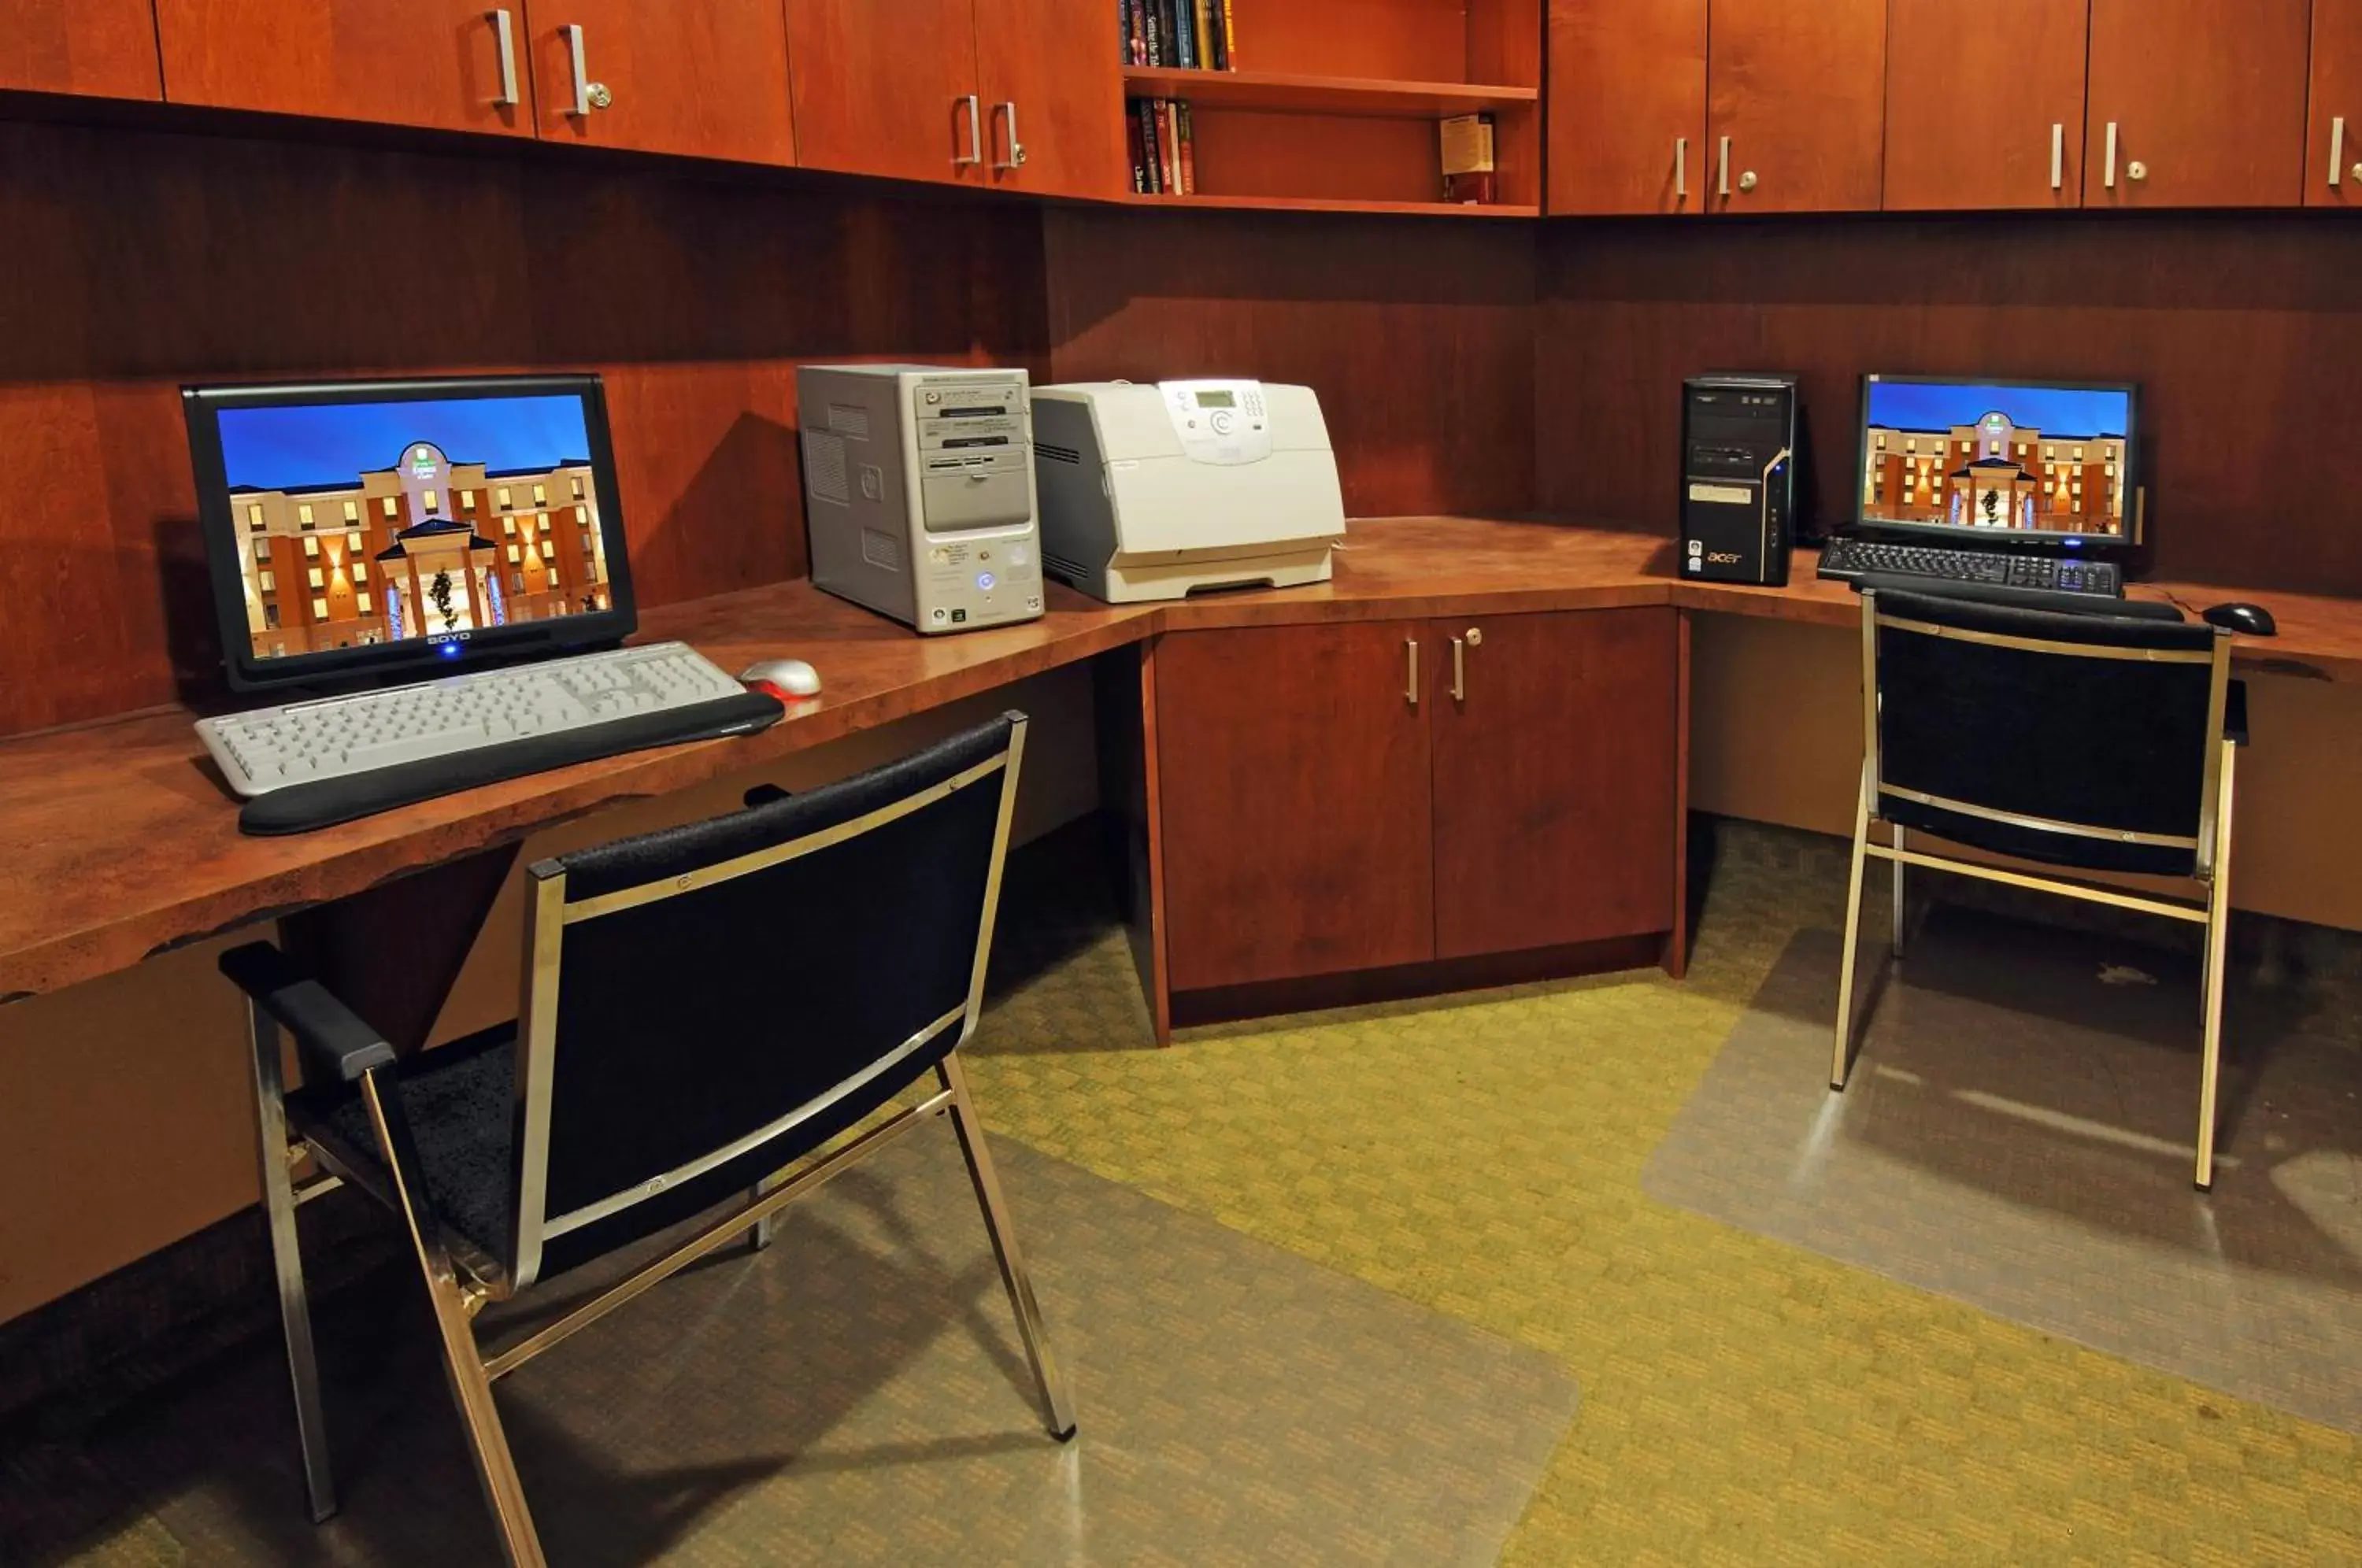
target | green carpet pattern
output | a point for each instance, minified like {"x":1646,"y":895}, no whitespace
{"x":1744,"y":1402}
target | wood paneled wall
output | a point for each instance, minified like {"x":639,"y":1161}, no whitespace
{"x":1418,"y":336}
{"x":139,"y":260}
{"x":2243,"y":330}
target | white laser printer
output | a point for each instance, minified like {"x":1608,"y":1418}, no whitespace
{"x":919,"y":492}
{"x":1153,"y":492}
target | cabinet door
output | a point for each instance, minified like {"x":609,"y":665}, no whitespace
{"x":2193,"y":105}
{"x":888,"y":88}
{"x":1052,"y":85}
{"x":1555,"y":778}
{"x":1795,"y":105}
{"x":1293,"y":771}
{"x":1984,"y":103}
{"x":1626,"y":110}
{"x":409,"y":62}
{"x":2333,"y":166}
{"x":101,"y":46}
{"x":705,"y":78}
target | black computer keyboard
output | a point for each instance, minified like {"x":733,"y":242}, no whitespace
{"x":1940,"y":566}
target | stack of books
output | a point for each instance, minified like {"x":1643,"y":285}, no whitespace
{"x":1188,"y":35}
{"x":1163,"y":153}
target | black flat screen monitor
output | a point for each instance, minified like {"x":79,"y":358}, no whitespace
{"x":2011,"y":463}
{"x":361,"y":529}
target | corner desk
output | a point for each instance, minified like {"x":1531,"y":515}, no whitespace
{"x":1314,"y":815}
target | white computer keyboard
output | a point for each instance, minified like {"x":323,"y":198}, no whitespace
{"x":304,"y":741}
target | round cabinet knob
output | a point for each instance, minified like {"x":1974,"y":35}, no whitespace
{"x":2356,"y":172}
{"x":1475,"y":636}
{"x":1746,"y":180}
{"x":1017,"y":153}
{"x":2137,"y":170}
{"x":598,"y":94}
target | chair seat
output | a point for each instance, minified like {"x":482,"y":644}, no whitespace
{"x":461,"y":1099}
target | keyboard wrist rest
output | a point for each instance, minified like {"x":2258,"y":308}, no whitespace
{"x":299,"y":808}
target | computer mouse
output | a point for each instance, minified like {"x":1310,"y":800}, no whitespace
{"x":785,"y":677}
{"x":2247,"y":620}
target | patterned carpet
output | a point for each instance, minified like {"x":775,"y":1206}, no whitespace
{"x":1745,"y":1402}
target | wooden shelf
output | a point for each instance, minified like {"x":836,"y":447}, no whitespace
{"x":1328,"y":205}
{"x":1322,"y":94}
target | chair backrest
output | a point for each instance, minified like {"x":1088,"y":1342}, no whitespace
{"x":707,"y":1003}
{"x":2089,"y":741}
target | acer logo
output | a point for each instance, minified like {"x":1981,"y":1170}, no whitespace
{"x":1723,"y":557}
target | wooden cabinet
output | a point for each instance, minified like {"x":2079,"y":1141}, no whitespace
{"x":2193,"y":106}
{"x":1051,"y":85}
{"x":705,"y":78}
{"x":1626,"y":105}
{"x":1795,"y":105}
{"x":888,"y":88}
{"x":946,"y":90}
{"x":106,"y":47}
{"x":438,"y":63}
{"x":2333,"y":155}
{"x":1359,"y":796}
{"x":1984,"y":103}
{"x":1554,"y":751}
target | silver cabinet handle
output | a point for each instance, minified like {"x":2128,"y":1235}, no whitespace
{"x":1722,"y":175}
{"x":2110,"y":179}
{"x":2058,"y":156}
{"x":1016,"y":158}
{"x":974,"y":132}
{"x":588,"y":95}
{"x":2337,"y":152}
{"x":1681,"y":168}
{"x":1410,"y":684}
{"x":1474,"y":637}
{"x":504,"y":34}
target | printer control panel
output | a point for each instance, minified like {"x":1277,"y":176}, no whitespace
{"x":1221,"y":422}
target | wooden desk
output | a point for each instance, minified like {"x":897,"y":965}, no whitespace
{"x":123,"y":843}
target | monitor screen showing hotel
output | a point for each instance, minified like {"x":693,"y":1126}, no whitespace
{"x":2005,"y":461}
{"x":357,"y":527}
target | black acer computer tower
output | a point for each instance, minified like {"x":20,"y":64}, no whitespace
{"x":1741,"y":448}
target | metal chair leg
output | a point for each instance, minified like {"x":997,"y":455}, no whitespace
{"x":2218,"y":930}
{"x":1837,"y":1055}
{"x":1058,"y":1407}
{"x":276,"y":1154}
{"x":759,"y":1237}
{"x":463,"y":1363}
{"x":1896,"y":945}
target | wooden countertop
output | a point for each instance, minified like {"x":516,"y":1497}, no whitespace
{"x":122,"y":842}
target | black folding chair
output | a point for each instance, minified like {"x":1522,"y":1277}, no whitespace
{"x":2094,"y":743}
{"x":703,"y":1007}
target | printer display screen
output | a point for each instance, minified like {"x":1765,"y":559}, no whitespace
{"x":1216,"y":399}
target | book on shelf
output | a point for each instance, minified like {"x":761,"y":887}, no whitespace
{"x":1155,"y":32}
{"x":1148,"y":175}
{"x":1132,"y":18}
{"x":1188,"y":146}
{"x":1468,"y":162}
{"x":1183,"y":35}
{"x":1164,"y":146}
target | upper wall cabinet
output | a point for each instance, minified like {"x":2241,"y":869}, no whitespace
{"x":2332,"y":157}
{"x":2196,"y":104}
{"x":448,"y":64}
{"x":1053,"y":99}
{"x":705,"y":78}
{"x":974,"y":92}
{"x":1626,"y":108}
{"x":1795,"y":105}
{"x":101,"y":46}
{"x":1984,"y":103}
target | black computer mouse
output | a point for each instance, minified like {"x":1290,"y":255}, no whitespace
{"x":2247,"y":620}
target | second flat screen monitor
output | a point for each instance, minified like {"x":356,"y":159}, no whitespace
{"x":2032,"y":460}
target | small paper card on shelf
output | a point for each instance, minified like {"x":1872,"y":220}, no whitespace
{"x":1467,"y":159}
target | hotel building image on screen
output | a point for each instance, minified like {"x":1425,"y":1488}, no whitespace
{"x":1995,"y":474}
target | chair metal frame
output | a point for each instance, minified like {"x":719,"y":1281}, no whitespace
{"x":462,"y":1281}
{"x":2210,"y":844}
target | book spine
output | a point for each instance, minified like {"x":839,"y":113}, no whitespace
{"x":1209,"y":47}
{"x":1188,"y":140}
{"x":1138,"y":149}
{"x":1150,"y":154}
{"x":1186,"y":34}
{"x":1230,"y":39}
{"x":1136,"y":37}
{"x":1155,"y":32}
{"x":1168,"y":133}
